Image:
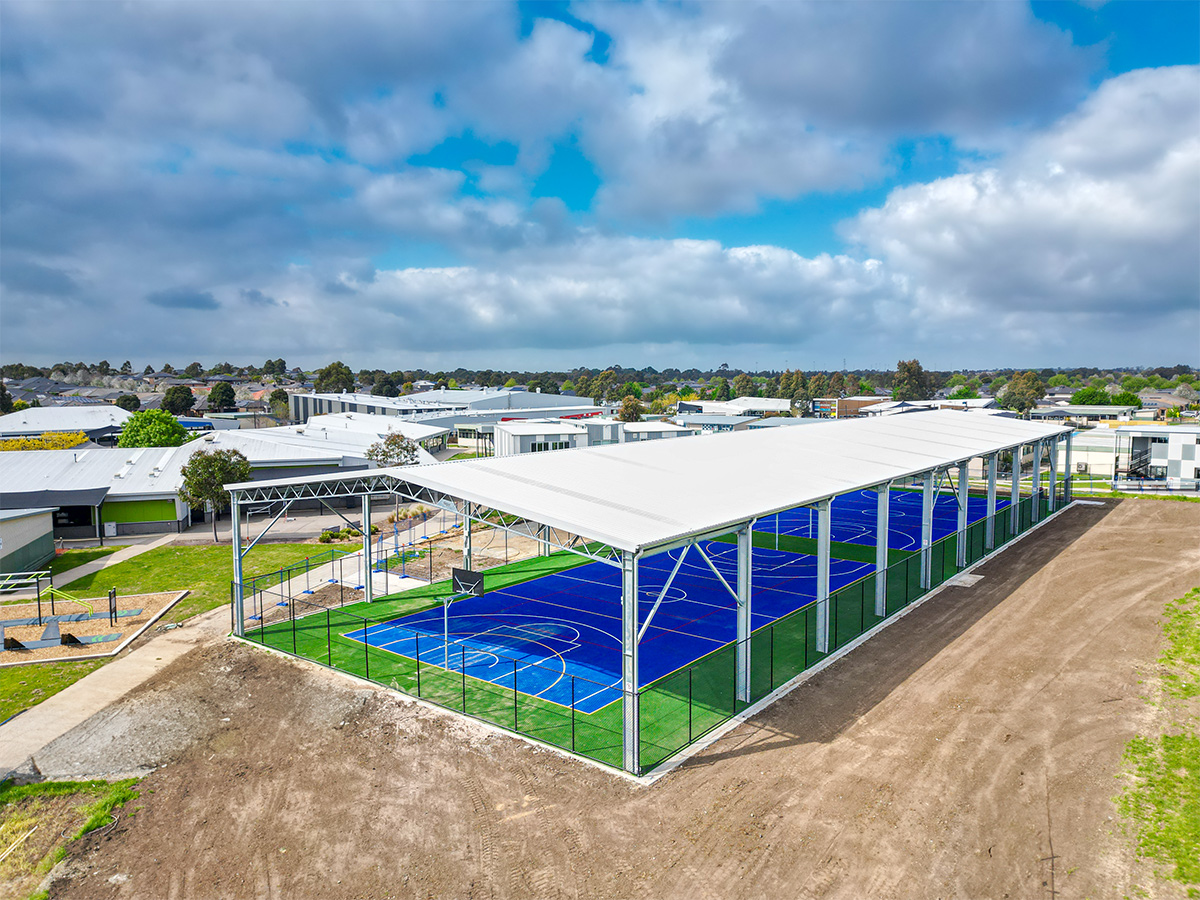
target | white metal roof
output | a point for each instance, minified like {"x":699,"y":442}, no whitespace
{"x":137,"y":471}
{"x":40,"y":419}
{"x":648,"y":494}
{"x":553,"y":426}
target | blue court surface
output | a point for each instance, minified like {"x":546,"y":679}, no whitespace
{"x":541,"y":633}
{"x":569,"y":623}
{"x":852,"y":519}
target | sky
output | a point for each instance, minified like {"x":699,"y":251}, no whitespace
{"x":546,"y":185}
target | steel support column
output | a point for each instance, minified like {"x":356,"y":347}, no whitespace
{"x":366,"y":541}
{"x":745,"y":557}
{"x":1053,"y":476}
{"x":883,"y":495}
{"x":927,"y":498}
{"x":629,"y":661}
{"x":466,"y":538}
{"x":993,"y":463}
{"x":1014,"y":521}
{"x":963,"y":497}
{"x":1068,"y":471}
{"x":239,"y":606}
{"x":1035,"y":484}
{"x":823,"y":532}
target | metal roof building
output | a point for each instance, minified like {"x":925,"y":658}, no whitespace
{"x":644,"y":498}
{"x":101,"y":420}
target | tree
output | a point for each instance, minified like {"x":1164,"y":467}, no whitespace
{"x":194,"y":370}
{"x":853,"y":387}
{"x":6,"y":400}
{"x":1023,"y":393}
{"x":205,"y":476}
{"x":511,"y":383}
{"x":1125,"y":398}
{"x":149,"y":370}
{"x":1090,"y":396}
{"x":152,"y":428}
{"x":818,"y":386}
{"x":631,"y":410}
{"x":221,"y":396}
{"x":280,"y":404}
{"x":168,"y":368}
{"x":335,"y":378}
{"x":719,"y":389}
{"x":837,"y":384}
{"x":911,"y":381}
{"x":385,"y":386}
{"x":127,"y":368}
{"x":744,"y":386}
{"x":393,"y":450}
{"x":129,"y":402}
{"x":965,"y":392}
{"x":178,"y":400}
{"x":1059,"y":380}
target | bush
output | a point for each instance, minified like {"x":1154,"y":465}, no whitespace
{"x":61,"y":440}
{"x":326,"y":537}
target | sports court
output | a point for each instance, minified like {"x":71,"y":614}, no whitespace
{"x":538,"y":634}
{"x":673,"y":583}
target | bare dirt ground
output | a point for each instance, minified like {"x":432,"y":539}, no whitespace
{"x":942,"y":759}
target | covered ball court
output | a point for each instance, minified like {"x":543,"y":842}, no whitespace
{"x":669,"y":599}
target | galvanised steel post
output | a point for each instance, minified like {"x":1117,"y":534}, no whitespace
{"x":745,"y":551}
{"x":823,"y":539}
{"x":927,"y":499}
{"x":1014,"y":519}
{"x":883,"y":495}
{"x":629,"y":661}
{"x":963,"y":498}
{"x":239,"y":617}
{"x":993,"y":463}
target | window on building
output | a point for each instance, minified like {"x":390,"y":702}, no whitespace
{"x":1158,"y":440}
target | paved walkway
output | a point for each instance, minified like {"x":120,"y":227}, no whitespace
{"x":26,"y":735}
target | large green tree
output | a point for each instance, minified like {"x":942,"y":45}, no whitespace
{"x":6,"y":400}
{"x":631,"y":410}
{"x":393,"y":450}
{"x":178,"y":400}
{"x":744,"y":386}
{"x":205,"y":476}
{"x":221,"y":397}
{"x":911,"y":381}
{"x":129,"y":402}
{"x":1023,"y":392}
{"x":335,"y":378}
{"x":152,"y":428}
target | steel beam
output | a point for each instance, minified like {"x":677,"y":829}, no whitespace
{"x":963,"y":498}
{"x":927,"y":499}
{"x":823,"y":532}
{"x":629,"y":662}
{"x":745,"y":558}
{"x":239,"y":599}
{"x":883,"y":495}
{"x":993,"y":463}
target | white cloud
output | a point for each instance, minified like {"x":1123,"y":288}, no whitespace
{"x":1099,"y":215}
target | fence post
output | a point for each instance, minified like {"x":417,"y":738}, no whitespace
{"x":328,"y":638}
{"x":514,"y":695}
{"x":367,"y":646}
{"x":292,"y":612}
{"x":418,"y":652}
{"x":462,"y":662}
{"x":572,"y":713}
{"x":689,"y":704}
{"x":771,"y":670}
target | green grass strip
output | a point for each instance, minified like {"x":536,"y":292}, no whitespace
{"x":1164,"y":802}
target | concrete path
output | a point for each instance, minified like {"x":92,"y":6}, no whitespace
{"x":25,"y":736}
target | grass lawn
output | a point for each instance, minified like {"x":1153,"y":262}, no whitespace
{"x":36,"y":819}
{"x":465,"y":456}
{"x":206,"y":571}
{"x":1162,"y":794}
{"x":24,"y":686}
{"x":69,"y":559}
